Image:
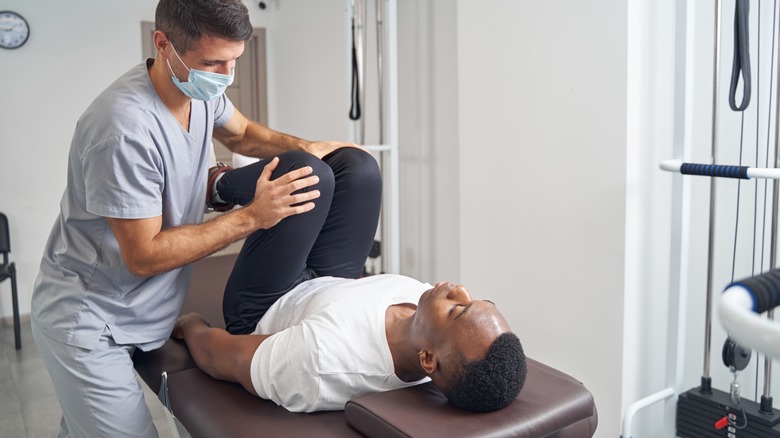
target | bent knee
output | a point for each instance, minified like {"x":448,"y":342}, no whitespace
{"x":355,"y":168}
{"x":292,"y":160}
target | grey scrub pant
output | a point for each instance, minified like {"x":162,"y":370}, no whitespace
{"x":98,"y":389}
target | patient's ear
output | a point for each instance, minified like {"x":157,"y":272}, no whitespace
{"x":428,"y":361}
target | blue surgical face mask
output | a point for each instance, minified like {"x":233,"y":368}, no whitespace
{"x":201,"y":85}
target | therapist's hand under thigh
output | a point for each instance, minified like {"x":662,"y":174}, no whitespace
{"x":322,"y":148}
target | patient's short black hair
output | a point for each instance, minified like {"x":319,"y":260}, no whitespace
{"x":491,"y":383}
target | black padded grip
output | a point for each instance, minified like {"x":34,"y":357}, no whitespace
{"x":739,"y":172}
{"x":764,"y":288}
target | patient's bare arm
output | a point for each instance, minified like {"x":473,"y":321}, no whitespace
{"x":220,"y":354}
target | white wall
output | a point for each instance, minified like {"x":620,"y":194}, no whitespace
{"x":542,"y":134}
{"x":307,"y":69}
{"x":429,"y":152}
{"x":656,"y":53}
{"x":76,"y":49}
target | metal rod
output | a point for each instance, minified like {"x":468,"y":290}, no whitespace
{"x":710,"y":254}
{"x":358,"y":40}
{"x":378,"y":148}
{"x":392,"y":133}
{"x":361,"y":50}
{"x":773,"y":234}
{"x":638,"y":405}
{"x":768,"y":360}
{"x":380,"y":49}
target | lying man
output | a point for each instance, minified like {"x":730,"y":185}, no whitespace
{"x":325,"y":336}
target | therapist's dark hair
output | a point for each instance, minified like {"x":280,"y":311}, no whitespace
{"x":491,"y":383}
{"x":185,"y":22}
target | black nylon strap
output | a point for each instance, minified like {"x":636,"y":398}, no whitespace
{"x":354,"y":111}
{"x":741,"y":61}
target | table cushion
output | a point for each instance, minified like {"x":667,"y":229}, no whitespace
{"x":210,"y":408}
{"x":550,"y":401}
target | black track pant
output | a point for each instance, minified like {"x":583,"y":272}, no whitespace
{"x":333,"y":239}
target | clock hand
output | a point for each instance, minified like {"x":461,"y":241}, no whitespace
{"x":6,"y":29}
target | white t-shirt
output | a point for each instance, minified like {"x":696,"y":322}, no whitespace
{"x":330,"y":343}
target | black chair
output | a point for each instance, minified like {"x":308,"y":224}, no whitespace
{"x":8,"y":270}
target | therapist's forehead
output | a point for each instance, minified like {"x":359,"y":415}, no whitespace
{"x":217,"y":49}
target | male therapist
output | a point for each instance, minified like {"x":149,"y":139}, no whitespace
{"x":113,"y":275}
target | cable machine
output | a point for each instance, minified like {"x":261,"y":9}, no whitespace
{"x":705,"y":411}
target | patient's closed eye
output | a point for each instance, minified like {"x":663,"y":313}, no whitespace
{"x":465,"y":308}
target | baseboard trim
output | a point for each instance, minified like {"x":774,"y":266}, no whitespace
{"x":8,"y":321}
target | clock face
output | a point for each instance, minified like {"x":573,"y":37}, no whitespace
{"x":14,"y":30}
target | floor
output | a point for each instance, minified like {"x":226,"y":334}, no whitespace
{"x":28,"y":405}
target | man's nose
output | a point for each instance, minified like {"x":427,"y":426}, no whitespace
{"x":227,"y":68}
{"x":459,"y":292}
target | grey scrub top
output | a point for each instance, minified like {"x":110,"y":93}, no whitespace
{"x":129,"y":158}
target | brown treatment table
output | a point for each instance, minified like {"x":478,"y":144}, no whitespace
{"x":552,"y":404}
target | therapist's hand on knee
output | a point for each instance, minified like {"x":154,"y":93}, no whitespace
{"x":276,"y":199}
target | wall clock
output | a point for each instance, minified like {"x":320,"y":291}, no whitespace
{"x":14,"y":30}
